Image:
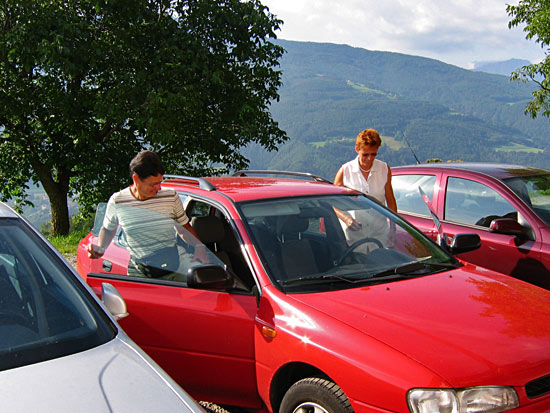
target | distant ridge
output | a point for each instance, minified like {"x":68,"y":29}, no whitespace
{"x":505,"y":67}
{"x":331,"y":92}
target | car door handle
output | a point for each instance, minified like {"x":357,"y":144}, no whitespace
{"x":432,"y":234}
{"x":107,"y":266}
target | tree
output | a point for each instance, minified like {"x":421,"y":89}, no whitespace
{"x":535,"y":14}
{"x":86,"y":84}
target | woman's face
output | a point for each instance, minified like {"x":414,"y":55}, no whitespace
{"x":367,"y":154}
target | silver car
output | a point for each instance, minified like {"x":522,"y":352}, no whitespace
{"x":60,"y":350}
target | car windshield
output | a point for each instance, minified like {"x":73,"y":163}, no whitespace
{"x":311,"y":243}
{"x":535,"y":192}
{"x":44,"y":312}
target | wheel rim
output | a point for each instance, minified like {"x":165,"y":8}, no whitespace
{"x":310,"y":407}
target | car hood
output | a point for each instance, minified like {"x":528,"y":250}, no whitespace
{"x":470,"y":326}
{"x":112,"y":377}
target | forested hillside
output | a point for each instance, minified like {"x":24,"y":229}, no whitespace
{"x":331,"y":92}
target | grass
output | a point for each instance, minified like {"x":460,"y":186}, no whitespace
{"x":67,"y":244}
{"x":362,"y":88}
{"x":388,"y":141}
{"x":393,"y":144}
{"x":516,"y":147}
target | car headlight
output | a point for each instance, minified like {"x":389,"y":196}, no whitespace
{"x":470,"y":400}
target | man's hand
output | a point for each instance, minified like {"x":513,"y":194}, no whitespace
{"x":94,"y":250}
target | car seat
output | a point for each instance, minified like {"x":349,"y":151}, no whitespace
{"x":297,"y":253}
{"x":210,"y":231}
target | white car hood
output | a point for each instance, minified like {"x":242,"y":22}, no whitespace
{"x":113,"y":377}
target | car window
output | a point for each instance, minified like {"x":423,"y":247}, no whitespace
{"x":198,"y":209}
{"x":307,"y":243}
{"x":44,"y":313}
{"x":470,"y":202}
{"x":214,"y":230}
{"x":98,"y":219}
{"x":407,"y":195}
{"x":535,"y":192}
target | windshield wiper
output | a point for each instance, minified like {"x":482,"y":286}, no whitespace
{"x":317,"y":278}
{"x":408,"y":269}
{"x":412,"y":268}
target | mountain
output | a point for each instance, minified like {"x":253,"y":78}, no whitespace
{"x":331,"y":92}
{"x":501,"y":68}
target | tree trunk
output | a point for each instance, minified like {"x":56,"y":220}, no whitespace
{"x":57,"y":192}
{"x":60,"y":213}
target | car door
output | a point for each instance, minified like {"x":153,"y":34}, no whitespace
{"x":203,"y":339}
{"x":469,"y":207}
{"x":410,"y":204}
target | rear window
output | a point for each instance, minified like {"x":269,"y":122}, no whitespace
{"x":44,"y":312}
{"x":407,"y":195}
{"x":535,"y":192}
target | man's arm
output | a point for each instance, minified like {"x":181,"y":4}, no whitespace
{"x":194,"y":240}
{"x":200,"y":253}
{"x":105,"y":238}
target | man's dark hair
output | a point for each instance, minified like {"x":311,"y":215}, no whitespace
{"x":146,"y":164}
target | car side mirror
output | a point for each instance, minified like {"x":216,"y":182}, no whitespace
{"x":113,"y":301}
{"x":209,"y":277}
{"x":464,"y":243}
{"x":507,"y":226}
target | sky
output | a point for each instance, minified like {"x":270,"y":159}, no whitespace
{"x":459,"y":32}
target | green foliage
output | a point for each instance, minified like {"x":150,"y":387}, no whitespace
{"x":86,"y":84}
{"x":80,"y":223}
{"x":535,"y":14}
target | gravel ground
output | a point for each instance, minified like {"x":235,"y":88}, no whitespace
{"x":71,"y":259}
{"x":213,"y":408}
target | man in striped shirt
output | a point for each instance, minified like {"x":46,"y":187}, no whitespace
{"x":149,"y":216}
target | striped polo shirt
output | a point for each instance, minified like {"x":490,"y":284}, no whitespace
{"x":148,"y":224}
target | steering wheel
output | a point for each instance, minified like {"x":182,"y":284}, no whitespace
{"x":353,"y":246}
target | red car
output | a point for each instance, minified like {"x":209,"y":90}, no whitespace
{"x":299,"y":314}
{"x":508,"y":206}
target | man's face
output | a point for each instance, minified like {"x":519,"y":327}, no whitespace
{"x":148,"y":187}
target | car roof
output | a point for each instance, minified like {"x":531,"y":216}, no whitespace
{"x":496,"y":170}
{"x":247,"y":188}
{"x":6,"y":211}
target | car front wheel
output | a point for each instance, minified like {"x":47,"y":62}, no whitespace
{"x":315,"y":395}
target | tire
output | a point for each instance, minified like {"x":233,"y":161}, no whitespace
{"x":315,"y":395}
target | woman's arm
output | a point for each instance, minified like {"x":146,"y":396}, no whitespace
{"x":390,"y":197}
{"x":339,"y":178}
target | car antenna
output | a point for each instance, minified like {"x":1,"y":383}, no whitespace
{"x":408,"y":144}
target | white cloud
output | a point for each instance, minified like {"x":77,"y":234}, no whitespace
{"x":455,"y":31}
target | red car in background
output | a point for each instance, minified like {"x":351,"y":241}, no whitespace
{"x":508,"y":206}
{"x":291,"y":314}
